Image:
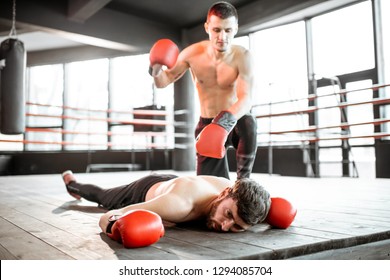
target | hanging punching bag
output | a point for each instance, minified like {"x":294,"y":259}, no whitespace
{"x":12,"y":117}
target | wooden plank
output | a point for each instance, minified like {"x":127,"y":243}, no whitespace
{"x":21,"y":244}
{"x":202,"y":241}
{"x":76,"y":210}
{"x":168,"y":248}
{"x":72,"y":232}
{"x":5,"y":254}
{"x":281,"y":243}
{"x":341,"y":224}
{"x":372,"y":251}
{"x":332,"y":214}
{"x":51,"y":235}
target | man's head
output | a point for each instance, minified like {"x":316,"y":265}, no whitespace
{"x":253,"y":201}
{"x":223,"y":10}
{"x":221,"y":25}
{"x":240,"y":207}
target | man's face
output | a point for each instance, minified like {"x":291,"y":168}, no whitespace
{"x":221,"y":32}
{"x":223,"y":217}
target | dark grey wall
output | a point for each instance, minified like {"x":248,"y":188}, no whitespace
{"x":382,"y":154}
{"x":23,"y":163}
{"x":123,"y":33}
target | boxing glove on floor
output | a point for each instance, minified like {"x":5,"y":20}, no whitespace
{"x":211,"y":140}
{"x":137,"y":228}
{"x":281,"y":213}
{"x":164,"y":52}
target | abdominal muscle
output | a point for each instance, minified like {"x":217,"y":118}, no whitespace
{"x":214,"y":101}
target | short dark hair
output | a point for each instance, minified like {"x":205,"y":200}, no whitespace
{"x":222,"y":10}
{"x":253,"y":200}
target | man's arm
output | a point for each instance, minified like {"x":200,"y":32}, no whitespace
{"x":162,"y":78}
{"x":170,"y":207}
{"x":244,"y":86}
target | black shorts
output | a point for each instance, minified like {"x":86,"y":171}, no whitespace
{"x":243,"y":138}
{"x":118,"y":197}
{"x":136,"y":191}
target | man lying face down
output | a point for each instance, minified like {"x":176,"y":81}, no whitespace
{"x":222,"y":204}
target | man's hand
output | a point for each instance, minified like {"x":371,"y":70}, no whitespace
{"x":163,"y":53}
{"x":211,"y":140}
{"x":137,"y":228}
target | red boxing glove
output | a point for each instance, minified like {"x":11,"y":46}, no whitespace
{"x":137,"y":228}
{"x":281,"y":213}
{"x":163,"y":52}
{"x":211,"y":140}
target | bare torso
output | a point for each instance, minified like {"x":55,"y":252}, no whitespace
{"x":191,"y":184}
{"x":223,"y":79}
{"x":214,"y":78}
{"x":198,"y":191}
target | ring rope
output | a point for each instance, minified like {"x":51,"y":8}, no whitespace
{"x":134,"y":112}
{"x":376,"y":135}
{"x":108,"y":133}
{"x":313,"y":128}
{"x":132,"y":122}
{"x":314,"y":96}
{"x":311,"y":109}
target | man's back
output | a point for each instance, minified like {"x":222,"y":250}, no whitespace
{"x":191,"y":186}
{"x":189,"y":197}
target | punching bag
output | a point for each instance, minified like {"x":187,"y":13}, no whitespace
{"x":12,"y":97}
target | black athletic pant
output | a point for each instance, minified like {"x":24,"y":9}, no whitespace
{"x":243,"y":138}
{"x":118,"y":197}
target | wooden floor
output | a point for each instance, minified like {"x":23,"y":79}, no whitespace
{"x":338,"y":218}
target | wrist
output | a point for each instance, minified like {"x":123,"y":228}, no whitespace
{"x":226,"y":120}
{"x":111,"y":221}
{"x":155,"y":70}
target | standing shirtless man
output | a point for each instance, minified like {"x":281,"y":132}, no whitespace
{"x":222,"y":73}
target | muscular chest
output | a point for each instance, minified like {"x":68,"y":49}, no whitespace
{"x":207,"y":73}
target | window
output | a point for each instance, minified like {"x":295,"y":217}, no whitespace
{"x":242,"y":41}
{"x":86,"y":88}
{"x":281,"y":75}
{"x":330,"y":116}
{"x":45,"y":88}
{"x":385,"y":25}
{"x":362,"y":152}
{"x":133,"y":88}
{"x":343,"y":44}
{"x":343,"y":41}
{"x":362,"y":113}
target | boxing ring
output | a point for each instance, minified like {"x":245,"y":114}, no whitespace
{"x":161,"y":129}
{"x":338,"y":218}
{"x":308,"y":135}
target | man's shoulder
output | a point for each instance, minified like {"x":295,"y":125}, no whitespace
{"x":193,"y":50}
{"x":201,"y":182}
{"x":240,"y":49}
{"x":198,"y":46}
